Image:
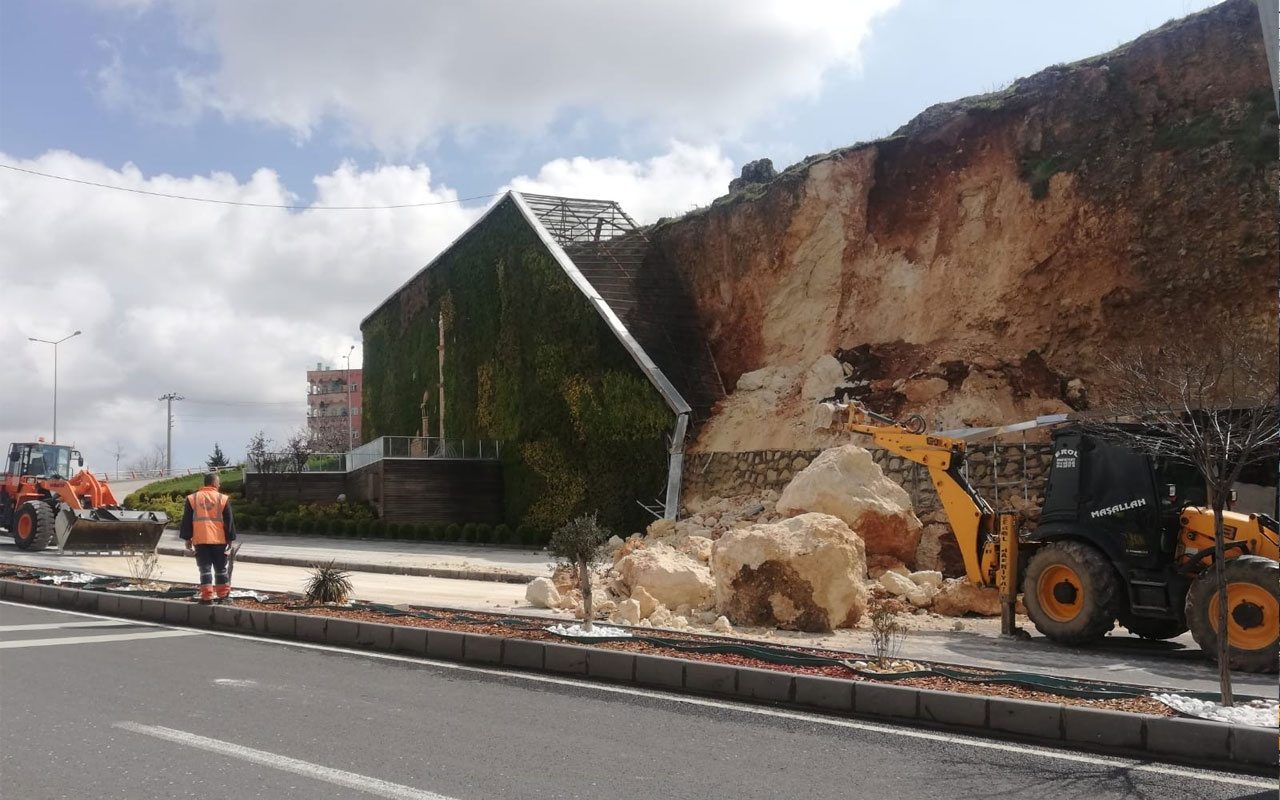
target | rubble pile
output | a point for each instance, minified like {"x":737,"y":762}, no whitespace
{"x":807,"y":559}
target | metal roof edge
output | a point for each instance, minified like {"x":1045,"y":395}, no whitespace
{"x":675,"y":401}
{"x":439,"y":256}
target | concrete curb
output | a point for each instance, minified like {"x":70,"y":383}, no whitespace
{"x":383,"y":569}
{"x":1187,"y":741}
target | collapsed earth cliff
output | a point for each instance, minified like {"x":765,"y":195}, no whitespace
{"x":974,"y":266}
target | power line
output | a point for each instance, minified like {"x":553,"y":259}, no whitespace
{"x":248,"y":402}
{"x":242,"y":202}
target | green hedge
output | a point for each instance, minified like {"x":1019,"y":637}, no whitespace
{"x":528,"y":361}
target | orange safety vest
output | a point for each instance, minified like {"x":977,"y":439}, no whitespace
{"x":207,"y":505}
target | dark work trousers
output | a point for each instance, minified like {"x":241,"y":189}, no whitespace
{"x":212,"y":561}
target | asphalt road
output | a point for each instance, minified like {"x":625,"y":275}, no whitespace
{"x":102,"y":708}
{"x":1176,"y":666}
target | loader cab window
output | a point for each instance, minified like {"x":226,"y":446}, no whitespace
{"x":47,"y":460}
{"x":57,"y":461}
{"x":15,"y":460}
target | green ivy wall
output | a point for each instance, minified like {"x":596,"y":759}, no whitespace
{"x":528,"y":361}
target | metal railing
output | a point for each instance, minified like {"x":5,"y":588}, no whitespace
{"x":422,"y":447}
{"x":377,"y":450}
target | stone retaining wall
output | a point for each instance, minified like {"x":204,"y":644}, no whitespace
{"x":1006,"y":475}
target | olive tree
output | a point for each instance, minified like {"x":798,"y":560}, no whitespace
{"x":579,"y":543}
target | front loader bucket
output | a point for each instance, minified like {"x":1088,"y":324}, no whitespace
{"x":108,"y":530}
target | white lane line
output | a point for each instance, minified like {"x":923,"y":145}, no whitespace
{"x":51,"y":626}
{"x":338,"y":777}
{"x":800,"y":716}
{"x":117,"y":637}
{"x":1042,"y":752}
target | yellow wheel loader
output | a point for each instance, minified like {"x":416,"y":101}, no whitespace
{"x":42,"y":504}
{"x":1113,"y":543}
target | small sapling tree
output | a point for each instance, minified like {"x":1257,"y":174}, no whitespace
{"x":580,"y":544}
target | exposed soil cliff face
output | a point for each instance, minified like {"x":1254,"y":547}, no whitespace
{"x":974,"y":266}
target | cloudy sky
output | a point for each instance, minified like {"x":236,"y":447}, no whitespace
{"x":430,"y":105}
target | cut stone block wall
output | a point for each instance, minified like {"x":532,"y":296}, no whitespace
{"x":1005,"y":475}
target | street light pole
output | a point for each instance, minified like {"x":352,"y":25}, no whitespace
{"x":55,"y":375}
{"x":348,"y":357}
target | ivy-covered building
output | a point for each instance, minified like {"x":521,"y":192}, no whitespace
{"x":564,"y":342}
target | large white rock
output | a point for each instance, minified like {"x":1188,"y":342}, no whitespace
{"x":646,"y":603}
{"x":804,"y":573}
{"x":904,"y":587}
{"x":928,"y":577}
{"x":845,"y":482}
{"x":673,"y":578}
{"x":541,"y":592}
{"x":821,"y":379}
{"x":628,"y":612}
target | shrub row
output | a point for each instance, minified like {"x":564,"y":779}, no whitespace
{"x":470,"y":533}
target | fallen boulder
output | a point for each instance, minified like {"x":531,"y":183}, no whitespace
{"x":958,"y":597}
{"x":846,"y":483}
{"x":542,"y":593}
{"x":902,"y":586}
{"x":803,"y":573}
{"x":673,"y":578}
{"x":628,"y":612}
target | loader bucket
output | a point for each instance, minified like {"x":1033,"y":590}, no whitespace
{"x":108,"y":530}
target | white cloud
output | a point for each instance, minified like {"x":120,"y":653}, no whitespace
{"x":218,"y":303}
{"x":668,"y":184}
{"x":229,"y":305}
{"x":396,"y":73}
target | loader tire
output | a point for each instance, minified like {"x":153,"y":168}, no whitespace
{"x":1071,"y":593}
{"x":1253,"y":613}
{"x":33,"y":526}
{"x":1152,"y":627}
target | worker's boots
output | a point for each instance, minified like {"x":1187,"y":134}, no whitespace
{"x":222,"y":594}
{"x":206,"y":595}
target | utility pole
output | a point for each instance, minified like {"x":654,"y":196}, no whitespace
{"x":168,"y":457}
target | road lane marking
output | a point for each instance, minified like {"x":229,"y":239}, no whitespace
{"x":338,"y":777}
{"x":50,"y":626}
{"x":799,"y":716}
{"x":116,"y":637}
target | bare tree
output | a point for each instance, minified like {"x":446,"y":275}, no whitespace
{"x":259,"y":456}
{"x":580,"y":544}
{"x":152,"y":460}
{"x":297,"y":451}
{"x":1211,"y":404}
{"x":328,"y":440}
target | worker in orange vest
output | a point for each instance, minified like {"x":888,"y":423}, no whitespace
{"x":209,"y":530}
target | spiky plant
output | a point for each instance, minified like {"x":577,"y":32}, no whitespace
{"x":328,"y":584}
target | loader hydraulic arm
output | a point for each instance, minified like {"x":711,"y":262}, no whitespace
{"x":988,"y":541}
{"x":975,"y":524}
